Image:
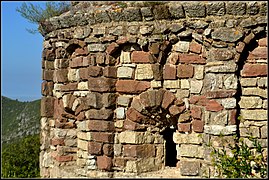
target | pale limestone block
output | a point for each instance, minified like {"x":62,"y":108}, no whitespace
{"x":220,"y":130}
{"x":73,"y":75}
{"x":255,"y":91}
{"x":255,"y":115}
{"x":156,"y":84}
{"x":255,"y":131}
{"x":125,"y":72}
{"x":250,"y":102}
{"x":76,"y":103}
{"x":181,"y":46}
{"x":81,"y":93}
{"x":124,"y":100}
{"x":119,"y":123}
{"x":264,"y":132}
{"x":120,"y":113}
{"x":248,"y":82}
{"x":131,"y":166}
{"x":84,"y":135}
{"x":199,"y":72}
{"x":82,"y":144}
{"x":125,"y":57}
{"x":83,"y":86}
{"x":228,"y":103}
{"x":185,"y":84}
{"x":196,"y":86}
{"x":230,"y":81}
{"x":264,"y":104}
{"x":193,"y":138}
{"x":190,"y":150}
{"x":182,"y":93}
{"x":262,"y":82}
{"x":173,"y":84}
{"x":143,"y":71}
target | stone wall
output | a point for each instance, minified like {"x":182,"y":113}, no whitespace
{"x":117,"y":75}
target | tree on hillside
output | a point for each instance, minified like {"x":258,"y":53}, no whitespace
{"x":36,"y":14}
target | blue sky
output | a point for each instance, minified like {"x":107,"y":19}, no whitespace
{"x":20,"y":55}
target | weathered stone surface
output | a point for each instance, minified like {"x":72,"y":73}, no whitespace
{"x":176,"y":11}
{"x":141,"y":57}
{"x":104,"y":163}
{"x":132,"y":86}
{"x":227,"y":35}
{"x":255,"y":115}
{"x":99,"y":125}
{"x":185,"y":84}
{"x":99,"y":114}
{"x":47,"y":106}
{"x":102,"y":137}
{"x":213,"y":105}
{"x":191,"y":58}
{"x":195,"y":9}
{"x":250,"y":102}
{"x":216,"y":54}
{"x":123,"y":100}
{"x":96,"y":47}
{"x":220,"y":93}
{"x":173,"y":84}
{"x":236,"y":8}
{"x":189,"y":168}
{"x":101,"y":84}
{"x":191,"y":150}
{"x":227,"y":67}
{"x":175,"y":110}
{"x":125,"y":72}
{"x":120,"y":113}
{"x":185,"y":71}
{"x":195,"y":47}
{"x":125,"y":57}
{"x":254,"y":70}
{"x":197,"y":126}
{"x":220,"y":130}
{"x":215,"y":8}
{"x":143,"y":71}
{"x":228,"y":103}
{"x":196,"y":86}
{"x":192,"y":138}
{"x":248,"y":82}
{"x":198,"y":72}
{"x":140,"y":151}
{"x":184,"y":127}
{"x":181,"y":46}
{"x":169,"y":72}
{"x":254,"y":91}
{"x":168,"y":98}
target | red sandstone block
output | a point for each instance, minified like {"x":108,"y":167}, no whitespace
{"x":185,"y":71}
{"x":168,"y":98}
{"x":64,"y":158}
{"x":122,"y":40}
{"x":196,"y":112}
{"x":110,"y":71}
{"x":102,"y":137}
{"x":175,"y":110}
{"x":58,"y":109}
{"x":195,"y":47}
{"x":254,"y":70}
{"x":197,"y":126}
{"x":81,"y":116}
{"x":101,"y":84}
{"x":46,"y":88}
{"x":108,"y":149}
{"x":104,"y":163}
{"x":184,"y":127}
{"x":213,"y":105}
{"x":95,"y":148}
{"x":199,"y":100}
{"x":47,"y":75}
{"x":258,"y":53}
{"x":83,"y":73}
{"x":169,"y":72}
{"x":262,"y":42}
{"x":95,"y":71}
{"x":61,"y":75}
{"x":96,"y":125}
{"x":69,"y":87}
{"x":130,"y":125}
{"x":132,"y":86}
{"x":57,"y":141}
{"x":140,"y":151}
{"x":133,"y":115}
{"x":76,"y":62}
{"x":119,"y":162}
{"x":191,"y":58}
{"x":141,"y":57}
{"x":47,"y":106}
{"x":112,"y":48}
{"x":232,"y":117}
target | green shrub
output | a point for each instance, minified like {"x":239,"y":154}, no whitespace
{"x":20,"y":159}
{"x":240,"y":160}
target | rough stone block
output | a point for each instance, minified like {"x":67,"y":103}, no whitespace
{"x":191,"y":58}
{"x":123,"y":100}
{"x":101,"y":84}
{"x":181,"y":46}
{"x":217,"y":54}
{"x":191,"y":150}
{"x":141,"y":57}
{"x":47,"y":106}
{"x":125,"y":72}
{"x":94,"y":148}
{"x":168,"y":98}
{"x":193,"y":138}
{"x":189,"y":168}
{"x":213,"y":105}
{"x":143,"y":71}
{"x":171,"y":84}
{"x":227,"y":34}
{"x":103,"y":114}
{"x":254,"y":70}
{"x":120,"y":113}
{"x":228,"y":103}
{"x":196,"y":86}
{"x":102,"y":137}
{"x":196,"y":112}
{"x":184,"y":127}
{"x":254,"y":92}
{"x":255,"y":115}
{"x":169,"y":72}
{"x":82,"y":144}
{"x":94,"y":71}
{"x":60,"y":75}
{"x":132,"y":86}
{"x":185,"y":71}
{"x":104,"y":163}
{"x":197,"y":126}
{"x":73,"y":75}
{"x":220,"y":130}
{"x":96,"y":125}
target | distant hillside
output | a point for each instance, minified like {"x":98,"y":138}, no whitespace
{"x":19,"y":119}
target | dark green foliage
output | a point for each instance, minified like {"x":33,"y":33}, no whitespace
{"x":246,"y":162}
{"x":20,"y":159}
{"x":36,"y":14}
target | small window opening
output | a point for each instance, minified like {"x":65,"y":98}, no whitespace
{"x":170,"y":147}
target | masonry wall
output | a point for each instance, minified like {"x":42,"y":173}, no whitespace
{"x":116,"y":76}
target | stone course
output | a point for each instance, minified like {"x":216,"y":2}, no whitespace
{"x":117,"y":75}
